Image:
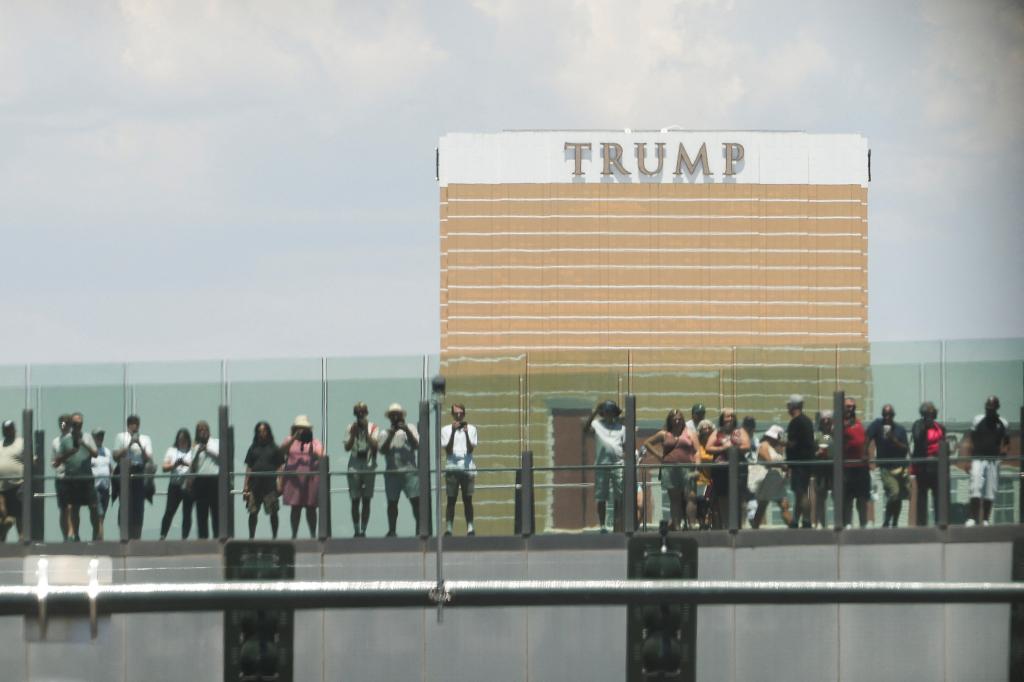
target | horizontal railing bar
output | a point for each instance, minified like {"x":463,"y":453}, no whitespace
{"x":159,"y":597}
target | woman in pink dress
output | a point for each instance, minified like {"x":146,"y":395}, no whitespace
{"x":298,"y":485}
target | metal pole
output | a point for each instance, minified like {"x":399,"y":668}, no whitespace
{"x":733,"y":454}
{"x":224,"y":500}
{"x":1020,"y":473}
{"x":27,"y":475}
{"x":527,"y":520}
{"x":629,"y":469}
{"x":79,"y":600}
{"x":423,"y":462}
{"x":942,"y":488}
{"x":323,"y":500}
{"x":838,"y":491}
{"x":125,"y":498}
{"x":38,"y":486}
{"x":438,"y":403}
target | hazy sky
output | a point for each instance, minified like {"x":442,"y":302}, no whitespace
{"x":200,"y":179}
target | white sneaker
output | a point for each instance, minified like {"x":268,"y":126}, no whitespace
{"x":985,"y":523}
{"x":970,"y":522}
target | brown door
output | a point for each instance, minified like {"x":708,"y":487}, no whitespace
{"x":573,"y":507}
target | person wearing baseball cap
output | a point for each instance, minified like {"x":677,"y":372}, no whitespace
{"x":801,"y":449}
{"x":609,"y":441}
{"x":401,"y":475}
{"x":361,"y":443}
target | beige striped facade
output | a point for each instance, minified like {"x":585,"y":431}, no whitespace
{"x":650,"y":266}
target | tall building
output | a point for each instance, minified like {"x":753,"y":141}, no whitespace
{"x":728,"y":268}
{"x":610,"y":240}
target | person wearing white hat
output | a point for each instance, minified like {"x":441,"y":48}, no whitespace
{"x":298,"y":484}
{"x":361,"y":442}
{"x":399,"y":449}
{"x":768,"y":484}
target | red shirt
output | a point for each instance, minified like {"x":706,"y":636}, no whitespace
{"x":854,"y":441}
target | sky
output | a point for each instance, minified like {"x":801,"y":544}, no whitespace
{"x":185,"y":180}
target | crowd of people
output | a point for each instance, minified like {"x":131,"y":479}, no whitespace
{"x":690,"y":456}
{"x":87,"y":474}
{"x":796,"y":456}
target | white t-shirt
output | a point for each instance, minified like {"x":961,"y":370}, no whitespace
{"x":12,"y":463}
{"x":135,"y":451}
{"x":609,"y":441}
{"x":101,"y":467}
{"x":174,"y":454}
{"x":209,"y":460}
{"x":460,"y":457}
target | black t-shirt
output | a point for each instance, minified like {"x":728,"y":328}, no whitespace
{"x":800,"y":443}
{"x":265,"y":457}
{"x":988,"y":436}
{"x":884,"y":448}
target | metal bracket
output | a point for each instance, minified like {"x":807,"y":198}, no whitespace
{"x":94,"y":588}
{"x":440,"y":595}
{"x":42,"y":590}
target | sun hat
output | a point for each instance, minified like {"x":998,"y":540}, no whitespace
{"x":395,"y":407}
{"x":774,"y":432}
{"x":302,"y":422}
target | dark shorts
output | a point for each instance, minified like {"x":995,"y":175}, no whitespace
{"x":61,"y":487}
{"x":453,"y":480}
{"x":800,"y":478}
{"x":857,"y":483}
{"x":12,"y":500}
{"x":80,"y":492}
{"x":103,"y":498}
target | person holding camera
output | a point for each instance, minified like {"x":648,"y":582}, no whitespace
{"x":178,"y":462}
{"x":139,"y":450}
{"x":460,"y":439}
{"x":361,"y":444}
{"x":399,"y":449}
{"x":76,"y":453}
{"x":299,"y":483}
{"x":888,"y":440}
{"x":206,"y":466}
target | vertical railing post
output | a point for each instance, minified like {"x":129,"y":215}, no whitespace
{"x":526,"y":513}
{"x":125,"y":500}
{"x":28,"y":475}
{"x":942,"y":487}
{"x":38,"y":487}
{"x":733,"y":500}
{"x":629,"y":469}
{"x":838,"y":491}
{"x":323,"y":498}
{"x":224,"y":501}
{"x":423,"y":464}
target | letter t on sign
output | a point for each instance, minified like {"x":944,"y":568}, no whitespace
{"x":733,"y":154}
{"x":577,"y":148}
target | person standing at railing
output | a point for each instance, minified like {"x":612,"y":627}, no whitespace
{"x":206,"y":469}
{"x":857,"y":485}
{"x":609,"y":441}
{"x":139,"y":450}
{"x":76,"y":453}
{"x":300,"y":490}
{"x":264,"y":458}
{"x":888,"y":440}
{"x":59,"y":482}
{"x":823,"y":473}
{"x":399,"y":448}
{"x":12,"y":471}
{"x":989,"y":443}
{"x":674,"y":446}
{"x":178,"y":463}
{"x":697,"y":413}
{"x":769,"y":483}
{"x":726,"y":439}
{"x":929,"y":436}
{"x":800,"y":450}
{"x":460,"y":440}
{"x":362,"y":445}
{"x":102,"y":465}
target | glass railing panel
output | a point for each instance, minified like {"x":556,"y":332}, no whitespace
{"x":168,"y":397}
